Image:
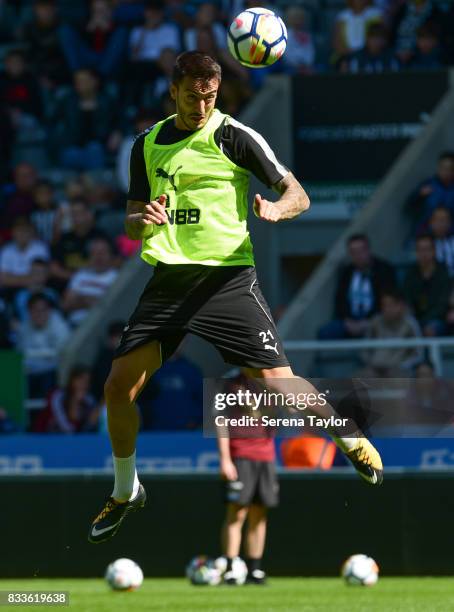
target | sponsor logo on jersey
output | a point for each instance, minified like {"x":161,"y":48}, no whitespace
{"x":170,"y":177}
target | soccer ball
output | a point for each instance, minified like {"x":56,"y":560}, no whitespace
{"x":124,"y":575}
{"x":238,"y":571}
{"x":360,"y":569}
{"x":257,"y":38}
{"x":203,"y":571}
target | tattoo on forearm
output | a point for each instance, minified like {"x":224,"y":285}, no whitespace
{"x":294,"y":200}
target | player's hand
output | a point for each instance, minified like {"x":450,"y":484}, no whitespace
{"x":155,"y":212}
{"x":266,"y":210}
{"x":228,"y":470}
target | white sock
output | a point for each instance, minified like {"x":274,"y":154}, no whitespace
{"x":346,"y":444}
{"x":126,"y":480}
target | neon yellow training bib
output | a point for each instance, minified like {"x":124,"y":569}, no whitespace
{"x":207,"y":202}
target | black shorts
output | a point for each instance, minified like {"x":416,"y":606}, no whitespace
{"x":223,"y":305}
{"x":257,"y":484}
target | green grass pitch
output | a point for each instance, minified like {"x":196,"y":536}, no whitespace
{"x":280,"y":595}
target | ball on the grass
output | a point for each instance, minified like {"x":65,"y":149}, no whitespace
{"x":360,"y":570}
{"x":124,"y":575}
{"x":203,"y":571}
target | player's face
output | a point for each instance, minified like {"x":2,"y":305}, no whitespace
{"x":195,"y":100}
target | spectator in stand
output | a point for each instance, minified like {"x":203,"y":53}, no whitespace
{"x":45,"y":217}
{"x":376,"y":57}
{"x":72,"y":409}
{"x":393,"y":321}
{"x":42,"y":40}
{"x":300,"y":53}
{"x":19,"y":199}
{"x":441,"y":229}
{"x":429,"y":398}
{"x":428,"y":48}
{"x":409,"y":18}
{"x":173,"y":399}
{"x":40,"y":338}
{"x":39,"y":277}
{"x":143,"y":120}
{"x":71,"y":252}
{"x":352,"y":25}
{"x":20,"y":92}
{"x":360,"y":284}
{"x":89,"y":285}
{"x":434,"y":192}
{"x":427,"y":287}
{"x":84,"y":122}
{"x":16,"y":257}
{"x":7,"y":137}
{"x":100,"y":46}
{"x":210,"y":36}
{"x":146,"y":43}
{"x":105,"y":356}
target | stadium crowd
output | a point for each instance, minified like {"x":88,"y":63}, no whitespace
{"x":78,"y":81}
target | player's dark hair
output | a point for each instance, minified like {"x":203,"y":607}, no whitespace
{"x":196,"y":65}
{"x":446,"y":155}
{"x":355,"y":237}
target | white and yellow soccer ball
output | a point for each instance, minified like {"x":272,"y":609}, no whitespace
{"x":360,"y":570}
{"x":257,"y":38}
{"x":124,"y":575}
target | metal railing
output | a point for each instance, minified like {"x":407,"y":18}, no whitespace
{"x":433,"y":345}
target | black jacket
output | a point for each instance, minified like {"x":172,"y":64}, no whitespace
{"x":382,"y":277}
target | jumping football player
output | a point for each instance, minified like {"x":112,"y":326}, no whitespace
{"x":188,"y":202}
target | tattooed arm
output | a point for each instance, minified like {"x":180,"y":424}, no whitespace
{"x":293,"y":201}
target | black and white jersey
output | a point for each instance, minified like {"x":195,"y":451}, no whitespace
{"x":241,"y":144}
